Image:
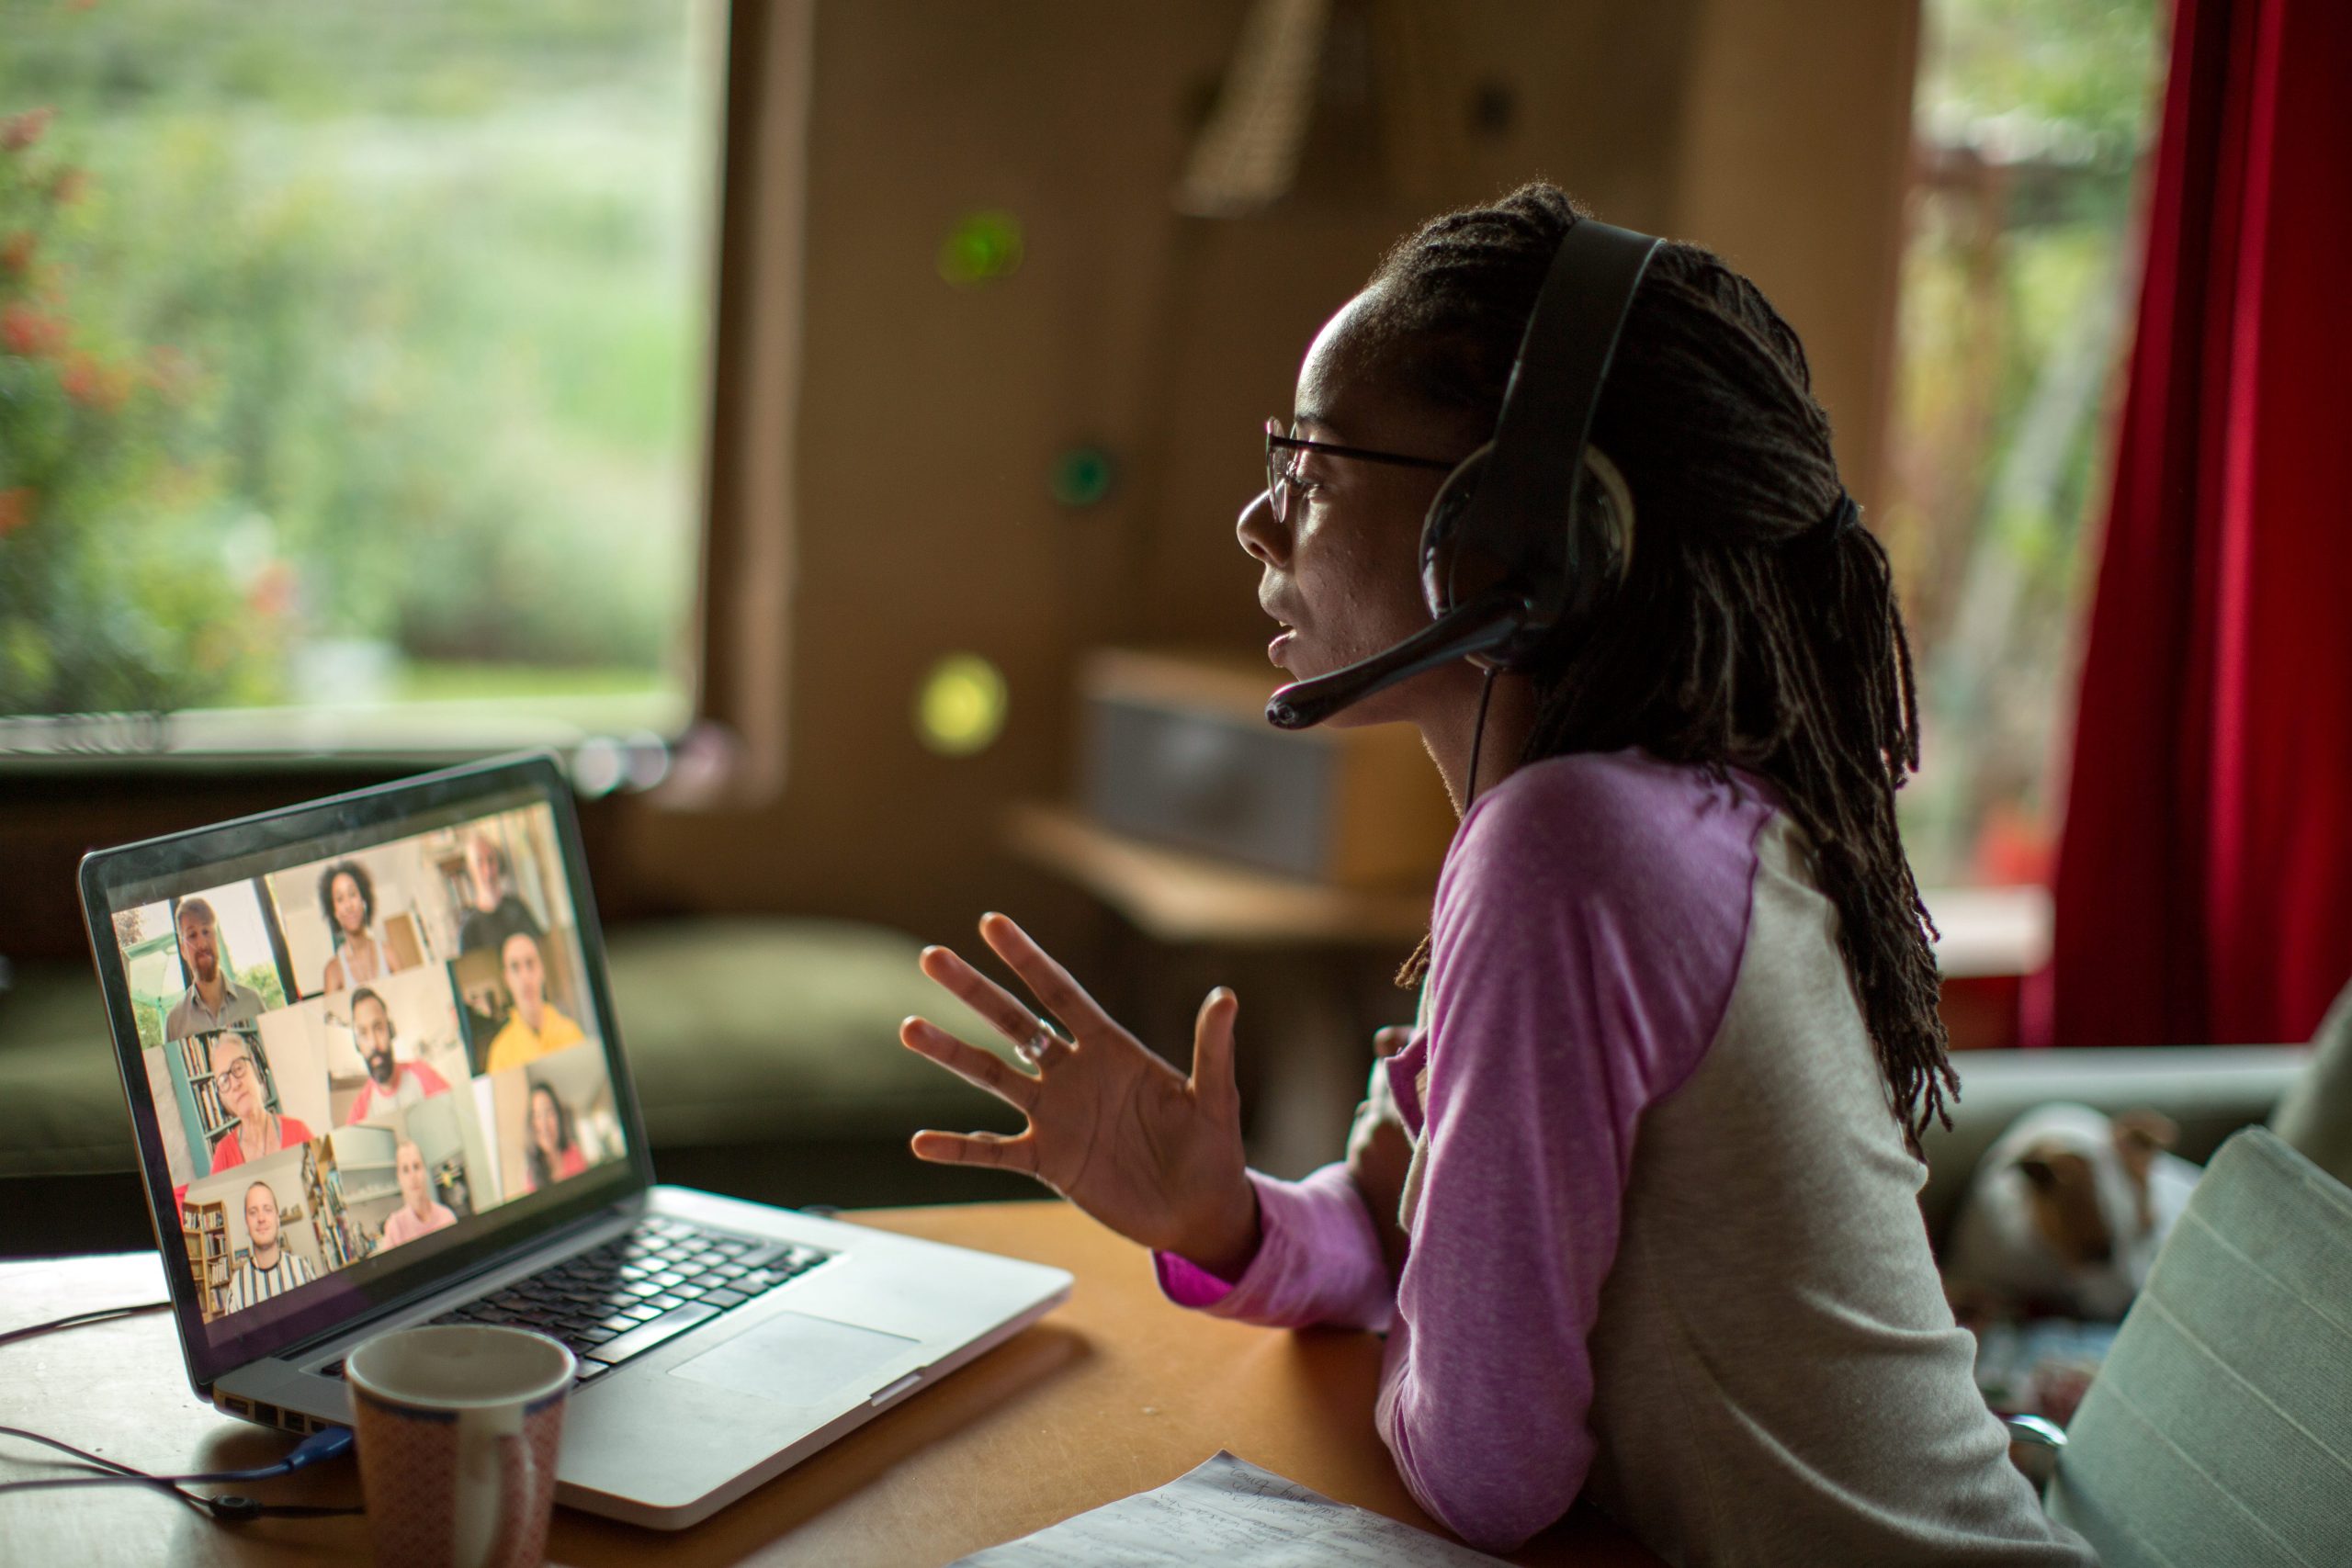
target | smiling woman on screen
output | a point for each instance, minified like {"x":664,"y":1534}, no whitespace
{"x":1636,"y":1204}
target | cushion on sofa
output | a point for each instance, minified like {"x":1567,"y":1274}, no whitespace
{"x":738,"y":1032}
{"x":61,"y":1100}
{"x":750,"y":1030}
{"x":2209,"y":1091}
{"x":2315,"y":1118}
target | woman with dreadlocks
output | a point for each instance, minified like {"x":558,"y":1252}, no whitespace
{"x":1635,"y":1205}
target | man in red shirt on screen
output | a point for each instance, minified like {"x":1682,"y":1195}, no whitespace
{"x":390,"y":1084}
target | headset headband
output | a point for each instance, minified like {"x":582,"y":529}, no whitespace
{"x":1537,"y":465}
{"x":1521,"y":488}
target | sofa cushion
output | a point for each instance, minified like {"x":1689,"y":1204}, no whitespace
{"x":61,"y":1100}
{"x":2315,"y":1118}
{"x":749,"y":1031}
{"x":2209,"y":1091}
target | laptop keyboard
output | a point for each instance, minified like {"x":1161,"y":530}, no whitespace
{"x":637,"y":1290}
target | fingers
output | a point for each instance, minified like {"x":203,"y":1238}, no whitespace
{"x":991,"y":1149}
{"x":1052,"y":984}
{"x":1213,"y":1072}
{"x":969,"y":1062}
{"x":1005,"y":1012}
{"x":1388,"y":1042}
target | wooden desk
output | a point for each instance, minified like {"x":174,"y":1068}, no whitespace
{"x":1115,"y":1392}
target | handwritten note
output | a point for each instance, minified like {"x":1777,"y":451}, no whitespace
{"x":1227,"y":1511}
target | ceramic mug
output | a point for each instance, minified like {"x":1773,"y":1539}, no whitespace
{"x":457,"y":1428}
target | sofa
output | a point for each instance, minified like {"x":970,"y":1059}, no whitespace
{"x":767,"y":1061}
{"x":765,"y":1051}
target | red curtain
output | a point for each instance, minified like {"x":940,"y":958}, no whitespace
{"x":2204,"y":884}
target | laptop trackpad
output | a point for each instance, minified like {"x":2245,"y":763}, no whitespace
{"x":793,"y":1359}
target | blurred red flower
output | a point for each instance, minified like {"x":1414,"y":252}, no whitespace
{"x":94,"y":383}
{"x":16,"y":509}
{"x":19,"y":131}
{"x":271,"y":592}
{"x":25,"y":331}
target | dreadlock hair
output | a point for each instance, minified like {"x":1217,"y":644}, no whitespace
{"x":1756,"y":627}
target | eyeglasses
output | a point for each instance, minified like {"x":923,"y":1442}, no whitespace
{"x":240,"y":1068}
{"x":1282,"y":476}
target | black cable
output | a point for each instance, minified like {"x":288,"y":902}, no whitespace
{"x":1477,"y":740}
{"x":328,"y":1443}
{"x":75,"y":1320}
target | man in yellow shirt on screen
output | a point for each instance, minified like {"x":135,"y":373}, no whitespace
{"x":536,"y":1027}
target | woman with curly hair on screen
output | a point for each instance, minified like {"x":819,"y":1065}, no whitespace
{"x":347,"y":898}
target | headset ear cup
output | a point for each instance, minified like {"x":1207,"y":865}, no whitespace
{"x":1612,"y":558}
{"x":1442,"y":529}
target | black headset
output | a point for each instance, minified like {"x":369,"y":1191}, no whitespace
{"x":1508,"y":559}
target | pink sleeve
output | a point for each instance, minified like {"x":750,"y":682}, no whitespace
{"x":1319,"y":1260}
{"x":1584,"y":949}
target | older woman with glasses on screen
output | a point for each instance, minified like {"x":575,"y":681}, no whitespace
{"x":237,"y":1066}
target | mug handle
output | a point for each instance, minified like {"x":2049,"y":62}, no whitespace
{"x":517,"y":1488}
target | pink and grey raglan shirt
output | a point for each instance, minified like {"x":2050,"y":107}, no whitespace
{"x":1666,"y":1250}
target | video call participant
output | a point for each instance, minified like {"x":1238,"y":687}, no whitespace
{"x":213,"y":999}
{"x":419,"y":1213}
{"x":555,"y":1151}
{"x":497,"y":912}
{"x":347,"y":897}
{"x":270,"y":1268}
{"x":237,"y":1061}
{"x":536,"y":1027}
{"x":390,"y":1085}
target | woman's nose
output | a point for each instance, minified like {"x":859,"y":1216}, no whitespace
{"x":1261,"y":533}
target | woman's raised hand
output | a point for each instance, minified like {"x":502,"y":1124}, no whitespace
{"x":1154,"y":1154}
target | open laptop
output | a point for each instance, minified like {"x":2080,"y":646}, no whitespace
{"x":377,"y":1080}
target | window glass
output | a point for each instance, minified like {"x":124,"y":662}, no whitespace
{"x":352,"y":364}
{"x":2035,"y":121}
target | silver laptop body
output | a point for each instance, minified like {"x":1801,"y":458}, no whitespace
{"x":323,"y":1189}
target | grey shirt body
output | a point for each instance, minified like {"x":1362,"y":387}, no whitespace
{"x":1777,"y":1376}
{"x":239,"y":1008}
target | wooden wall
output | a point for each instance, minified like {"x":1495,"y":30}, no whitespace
{"x":883,"y":440}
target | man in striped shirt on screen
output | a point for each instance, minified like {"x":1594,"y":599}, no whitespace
{"x":270,"y":1269}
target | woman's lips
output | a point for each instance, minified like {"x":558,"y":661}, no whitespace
{"x":1282,"y":641}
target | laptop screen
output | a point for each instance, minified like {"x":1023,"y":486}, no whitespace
{"x":364,"y":1051}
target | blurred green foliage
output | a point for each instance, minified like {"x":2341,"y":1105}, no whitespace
{"x":2035,"y":122}
{"x":348,"y":324}
{"x":261,"y":978}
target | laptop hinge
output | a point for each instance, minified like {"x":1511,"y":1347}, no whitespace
{"x":302,"y":1348}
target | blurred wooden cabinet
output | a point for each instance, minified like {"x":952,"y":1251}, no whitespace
{"x":1177,"y":750}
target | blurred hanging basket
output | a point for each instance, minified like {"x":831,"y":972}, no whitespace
{"x":1328,"y":102}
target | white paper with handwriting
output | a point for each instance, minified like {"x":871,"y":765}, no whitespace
{"x":1230,"y":1512}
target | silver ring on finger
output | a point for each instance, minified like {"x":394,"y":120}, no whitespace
{"x":1033,"y":1050}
